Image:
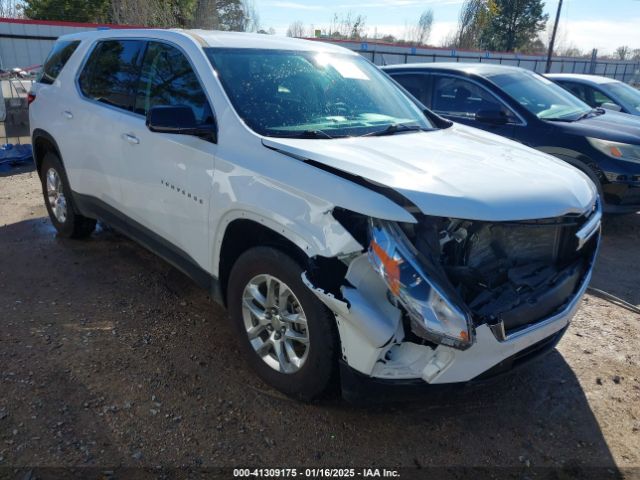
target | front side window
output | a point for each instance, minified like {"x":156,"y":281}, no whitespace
{"x":168,"y":79}
{"x":626,"y":93}
{"x":599,"y":98}
{"x":540,"y":96}
{"x":459,"y":97}
{"x":297,"y":93}
{"x":56,"y":61}
{"x":111,"y":73}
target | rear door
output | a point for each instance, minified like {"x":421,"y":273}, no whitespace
{"x":168,"y":181}
{"x":51,"y":96}
{"x":106,"y":86}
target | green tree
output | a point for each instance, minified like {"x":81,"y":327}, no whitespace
{"x":512,"y":24}
{"x":95,"y":11}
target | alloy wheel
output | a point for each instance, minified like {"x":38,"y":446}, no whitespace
{"x":275,"y":323}
{"x":55,"y":193}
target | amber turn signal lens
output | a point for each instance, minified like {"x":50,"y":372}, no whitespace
{"x":391,"y":267}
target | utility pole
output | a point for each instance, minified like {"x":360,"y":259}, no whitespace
{"x":553,"y":38}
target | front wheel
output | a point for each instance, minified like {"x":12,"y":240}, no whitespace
{"x":286,"y":333}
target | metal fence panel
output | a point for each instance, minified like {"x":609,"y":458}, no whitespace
{"x":386,"y":54}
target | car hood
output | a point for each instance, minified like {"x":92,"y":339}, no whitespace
{"x":458,"y":172}
{"x":614,"y":126}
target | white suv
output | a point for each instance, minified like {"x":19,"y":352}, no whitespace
{"x":340,"y":222}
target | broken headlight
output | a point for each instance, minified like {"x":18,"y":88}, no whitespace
{"x":434,"y":317}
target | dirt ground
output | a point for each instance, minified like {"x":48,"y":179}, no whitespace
{"x":111,"y":358}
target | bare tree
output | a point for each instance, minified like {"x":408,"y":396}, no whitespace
{"x":152,"y":13}
{"x":358,"y":27}
{"x":473,"y":18}
{"x":419,"y":34}
{"x":251,"y":16}
{"x":623,"y":52}
{"x":348,"y":26}
{"x":206,"y":15}
{"x":570,"y":50}
{"x":296,"y":29}
{"x":10,"y":9}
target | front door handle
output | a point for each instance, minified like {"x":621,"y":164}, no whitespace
{"x":67,"y":114}
{"x":132,"y":139}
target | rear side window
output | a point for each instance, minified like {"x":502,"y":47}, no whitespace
{"x":111,"y":73}
{"x":57,"y":59}
{"x":168,"y":79}
{"x":578,"y":90}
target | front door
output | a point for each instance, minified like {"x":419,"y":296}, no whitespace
{"x":464,"y":101}
{"x":169,"y":179}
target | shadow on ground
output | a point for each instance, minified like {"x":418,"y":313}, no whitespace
{"x":8,"y":170}
{"x":113,"y":358}
{"x":617,"y":269}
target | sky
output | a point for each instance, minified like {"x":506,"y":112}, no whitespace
{"x":586,"y":24}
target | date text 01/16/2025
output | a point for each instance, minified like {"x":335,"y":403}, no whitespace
{"x":315,"y":473}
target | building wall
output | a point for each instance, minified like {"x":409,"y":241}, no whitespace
{"x":26,"y":43}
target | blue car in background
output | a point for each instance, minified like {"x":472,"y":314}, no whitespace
{"x":600,"y":91}
{"x":531,"y":109}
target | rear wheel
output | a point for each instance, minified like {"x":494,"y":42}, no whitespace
{"x":57,"y":198}
{"x":286,"y":333}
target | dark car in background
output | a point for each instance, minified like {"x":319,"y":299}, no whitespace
{"x":529,"y":108}
{"x":600,"y":91}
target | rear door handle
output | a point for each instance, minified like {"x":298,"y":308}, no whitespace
{"x":67,"y":114}
{"x":132,"y":139}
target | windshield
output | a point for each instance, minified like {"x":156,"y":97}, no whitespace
{"x":625,"y":93}
{"x":313,"y":95}
{"x":541,"y":96}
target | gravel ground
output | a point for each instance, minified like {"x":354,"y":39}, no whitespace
{"x":111,"y":358}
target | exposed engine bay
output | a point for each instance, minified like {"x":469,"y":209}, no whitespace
{"x":514,"y":272}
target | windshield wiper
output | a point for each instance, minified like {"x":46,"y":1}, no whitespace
{"x":395,"y":128}
{"x":594,"y":111}
{"x":310,"y":134}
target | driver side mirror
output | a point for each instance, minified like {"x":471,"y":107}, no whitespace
{"x":611,"y":106}
{"x":178,"y":120}
{"x":492,"y":117}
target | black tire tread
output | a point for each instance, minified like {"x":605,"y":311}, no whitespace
{"x":320,"y":368}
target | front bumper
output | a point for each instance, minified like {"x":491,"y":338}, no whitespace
{"x":362,"y":389}
{"x":488,"y":351}
{"x":374,"y":345}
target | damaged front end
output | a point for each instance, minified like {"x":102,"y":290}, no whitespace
{"x":444,"y":300}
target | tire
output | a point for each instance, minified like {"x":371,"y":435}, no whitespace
{"x":252,"y":272}
{"x":59,"y":202}
{"x":589,"y":172}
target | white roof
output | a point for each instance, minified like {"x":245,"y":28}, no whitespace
{"x":268,"y":42}
{"x":580,"y":78}
{"x":213,"y":38}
